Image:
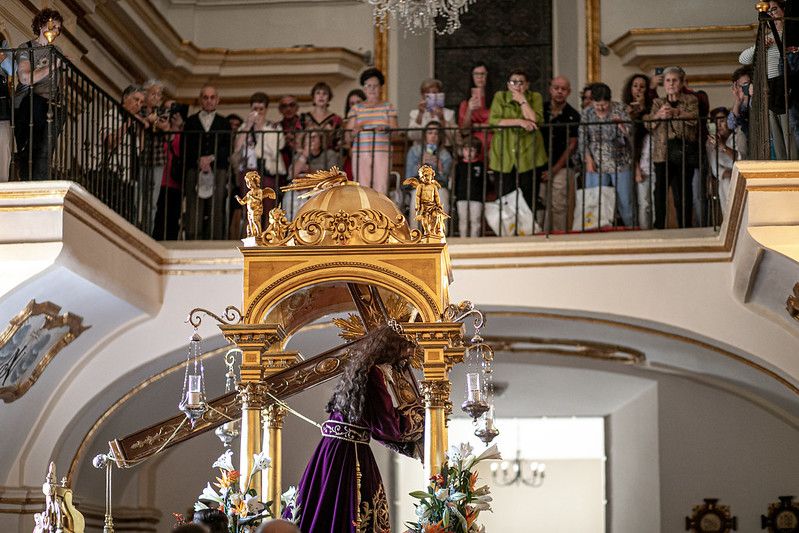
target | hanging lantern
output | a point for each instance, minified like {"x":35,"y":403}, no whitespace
{"x":475,"y":358}
{"x":486,"y":430}
{"x":192,"y":400}
{"x":229,"y":430}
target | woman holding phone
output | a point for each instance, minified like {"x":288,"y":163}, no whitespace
{"x":431,"y":107}
{"x":473,"y":114}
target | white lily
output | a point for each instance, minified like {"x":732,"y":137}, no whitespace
{"x":209,"y":494}
{"x":225,"y":461}
{"x":423,"y":511}
{"x":489,"y":454}
{"x":456,"y":453}
{"x":456,"y":496}
{"x":483,"y":503}
{"x":485,"y":489}
{"x":254,"y":506}
{"x":199,"y":506}
{"x":260,"y":461}
{"x":290,"y":495}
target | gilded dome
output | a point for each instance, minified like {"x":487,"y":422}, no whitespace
{"x":351,"y":214}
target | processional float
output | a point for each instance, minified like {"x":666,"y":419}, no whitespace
{"x":348,"y":248}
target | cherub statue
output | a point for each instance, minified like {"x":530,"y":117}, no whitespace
{"x":429,"y":211}
{"x":254,"y":202}
{"x":278,"y":224}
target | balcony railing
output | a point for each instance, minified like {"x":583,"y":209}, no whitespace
{"x":511,"y":186}
{"x":773,"y":99}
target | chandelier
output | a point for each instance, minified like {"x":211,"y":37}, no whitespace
{"x":530,"y":473}
{"x":420,"y":16}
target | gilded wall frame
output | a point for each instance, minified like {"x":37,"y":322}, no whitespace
{"x":16,"y":343}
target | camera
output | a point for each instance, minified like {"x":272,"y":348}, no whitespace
{"x":659,"y":71}
{"x":745,"y":89}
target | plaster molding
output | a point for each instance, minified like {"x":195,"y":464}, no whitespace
{"x":708,"y":53}
{"x":233,"y":3}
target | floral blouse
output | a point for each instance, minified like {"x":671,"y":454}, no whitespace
{"x":607,"y":143}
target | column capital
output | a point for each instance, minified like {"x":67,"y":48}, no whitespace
{"x":252,"y":395}
{"x":436,"y":392}
{"x":275,"y":414}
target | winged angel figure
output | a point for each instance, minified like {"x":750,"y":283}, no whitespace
{"x":429,"y":211}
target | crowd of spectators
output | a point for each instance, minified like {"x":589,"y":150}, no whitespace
{"x":657,"y":146}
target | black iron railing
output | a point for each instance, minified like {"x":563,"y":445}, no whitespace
{"x":773,"y":99}
{"x":495,"y":181}
{"x":66,"y":127}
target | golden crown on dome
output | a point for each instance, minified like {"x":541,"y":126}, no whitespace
{"x":339,"y":212}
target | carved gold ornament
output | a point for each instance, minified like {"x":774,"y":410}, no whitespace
{"x":325,"y":228}
{"x":436,"y":393}
{"x":30,"y":342}
{"x":318,"y":181}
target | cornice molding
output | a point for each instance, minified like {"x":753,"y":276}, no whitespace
{"x":162,"y":53}
{"x":231,"y":3}
{"x":711,"y":50}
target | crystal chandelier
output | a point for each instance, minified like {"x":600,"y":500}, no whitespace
{"x":419,"y":16}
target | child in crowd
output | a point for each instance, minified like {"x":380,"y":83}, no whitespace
{"x":470,"y":188}
{"x":432,"y":153}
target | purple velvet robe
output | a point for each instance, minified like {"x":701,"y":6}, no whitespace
{"x":327,"y":490}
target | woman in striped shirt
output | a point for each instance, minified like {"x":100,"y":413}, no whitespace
{"x":370,"y":122}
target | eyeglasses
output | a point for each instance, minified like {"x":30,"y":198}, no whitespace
{"x":372,"y":86}
{"x":517,"y":82}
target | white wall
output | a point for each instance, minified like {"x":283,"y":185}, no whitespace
{"x":633,"y":466}
{"x":345,"y":24}
{"x":716,"y":445}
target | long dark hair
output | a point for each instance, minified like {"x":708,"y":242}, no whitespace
{"x":360,"y":93}
{"x":627,"y":92}
{"x":383,"y":346}
{"x":489,"y":86}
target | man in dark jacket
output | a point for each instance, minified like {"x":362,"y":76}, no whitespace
{"x":207,"y":148}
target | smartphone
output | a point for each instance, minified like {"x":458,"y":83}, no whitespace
{"x":711,"y":129}
{"x":745,"y":88}
{"x":659,"y":71}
